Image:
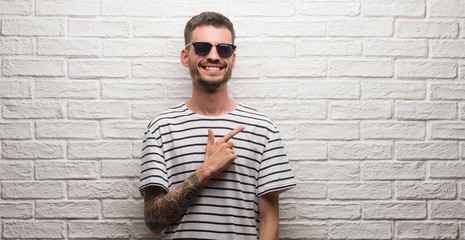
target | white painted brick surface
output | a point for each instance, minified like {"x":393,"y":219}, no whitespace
{"x":369,"y":97}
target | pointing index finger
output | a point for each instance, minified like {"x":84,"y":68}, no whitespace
{"x":231,"y":134}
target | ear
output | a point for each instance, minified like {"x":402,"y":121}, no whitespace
{"x":233,"y":60}
{"x":185,"y":57}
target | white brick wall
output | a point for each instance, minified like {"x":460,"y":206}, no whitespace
{"x":369,"y":96}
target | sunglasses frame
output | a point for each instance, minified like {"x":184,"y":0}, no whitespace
{"x":211,"y":45}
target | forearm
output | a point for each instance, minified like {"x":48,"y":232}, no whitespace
{"x":269,"y":229}
{"x":165,"y":209}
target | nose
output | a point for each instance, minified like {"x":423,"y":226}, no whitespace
{"x":213,"y":55}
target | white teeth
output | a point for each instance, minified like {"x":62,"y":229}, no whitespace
{"x":213,"y":68}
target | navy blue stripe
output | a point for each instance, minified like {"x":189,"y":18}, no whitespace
{"x":282,"y":171}
{"x":148,"y":169}
{"x":153,"y":185}
{"x":229,"y":189}
{"x":276,"y":164}
{"x":174,"y":117}
{"x":151,"y":161}
{"x":182,"y":164}
{"x":227,"y":197}
{"x":276,"y":180}
{"x":154,"y":176}
{"x":231,"y":180}
{"x":220,"y":215}
{"x":259,"y":119}
{"x":183,"y":155}
{"x":211,"y":231}
{"x":152,"y":153}
{"x":275,"y":156}
{"x":280,"y":147}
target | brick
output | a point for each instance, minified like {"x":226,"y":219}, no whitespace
{"x":159,"y":70}
{"x":68,"y":89}
{"x":33,"y":150}
{"x":138,"y":8}
{"x":243,"y":28}
{"x":426,"y":110}
{"x":133,"y":90}
{"x":360,"y":151}
{"x":295,"y":68}
{"x":328,"y":131}
{"x":16,"y":46}
{"x":101,"y":28}
{"x":123,"y":130}
{"x":180,"y":90}
{"x":324,"y":211}
{"x":67,"y":170}
{"x":360,"y":68}
{"x":393,"y":130}
{"x":302,"y":230}
{"x":461,"y":187}
{"x":307,"y":151}
{"x":394,"y":210}
{"x":148,"y":110}
{"x":328,"y":89}
{"x":33,"y":190}
{"x":447,"y":210}
{"x":360,"y":230}
{"x":446,"y":8}
{"x":69,"y":47}
{"x":25,"y":109}
{"x":425,"y":190}
{"x":409,"y":28}
{"x":395,"y":47}
{"x":67,"y":209}
{"x":99,"y":150}
{"x":447,"y":49}
{"x":426,"y":230}
{"x":16,"y":210}
{"x":285,"y":110}
{"x":12,"y":170}
{"x":98,"y":68}
{"x":393,"y":170}
{"x":98,"y":110}
{"x":426,"y":150}
{"x":393,"y":90}
{"x":448,"y":131}
{"x":34,"y":67}
{"x":160,"y":28}
{"x":306,"y":190}
{"x":33,"y":26}
{"x":99,"y":189}
{"x":267,"y":89}
{"x":425,"y":69}
{"x":67,"y":7}
{"x":298,"y":29}
{"x":98,"y":229}
{"x":397,"y":8}
{"x":359,"y":191}
{"x":244,"y":8}
{"x":324,"y":47}
{"x":327,"y":171}
{"x":332,"y":8}
{"x":126,"y":169}
{"x":270,"y":48}
{"x":447,"y":170}
{"x":18,"y":7}
{"x":123,"y":209}
{"x":34,"y":229}
{"x":447,"y":91}
{"x":134,"y":48}
{"x":190,"y":8}
{"x":15,"y":130}
{"x":287,"y":210}
{"x":462,"y":232}
{"x":360,"y":27}
{"x":15,"y":89}
{"x":462,"y":110}
{"x":360,"y":110}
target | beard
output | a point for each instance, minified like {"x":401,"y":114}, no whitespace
{"x":212,"y":84}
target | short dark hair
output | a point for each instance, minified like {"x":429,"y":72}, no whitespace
{"x":207,"y":19}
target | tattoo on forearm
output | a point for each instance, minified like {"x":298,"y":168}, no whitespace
{"x":162,"y":209}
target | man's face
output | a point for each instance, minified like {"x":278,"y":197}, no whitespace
{"x":210,"y":72}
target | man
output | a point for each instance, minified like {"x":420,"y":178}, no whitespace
{"x":212,"y":168}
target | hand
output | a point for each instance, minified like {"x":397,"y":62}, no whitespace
{"x":219,"y":154}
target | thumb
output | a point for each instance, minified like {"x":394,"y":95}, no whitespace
{"x":211,"y":137}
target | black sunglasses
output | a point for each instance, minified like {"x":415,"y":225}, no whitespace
{"x":202,"y":49}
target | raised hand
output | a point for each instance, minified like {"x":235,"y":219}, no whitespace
{"x":219,"y":154}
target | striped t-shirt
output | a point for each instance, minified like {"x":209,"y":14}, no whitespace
{"x":227,"y":207}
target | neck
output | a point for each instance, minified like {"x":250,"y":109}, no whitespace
{"x":211,"y":103}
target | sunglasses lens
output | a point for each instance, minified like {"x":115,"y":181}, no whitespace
{"x":202,"y":49}
{"x":224,"y":50}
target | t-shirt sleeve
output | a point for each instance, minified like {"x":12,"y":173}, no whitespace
{"x":275,"y":171}
{"x":153,"y":168}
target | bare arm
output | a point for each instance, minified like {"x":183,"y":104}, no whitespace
{"x":268,"y":206}
{"x":161,"y":208}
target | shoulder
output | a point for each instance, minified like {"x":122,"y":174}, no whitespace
{"x":166,"y":115}
{"x":256,"y":117}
